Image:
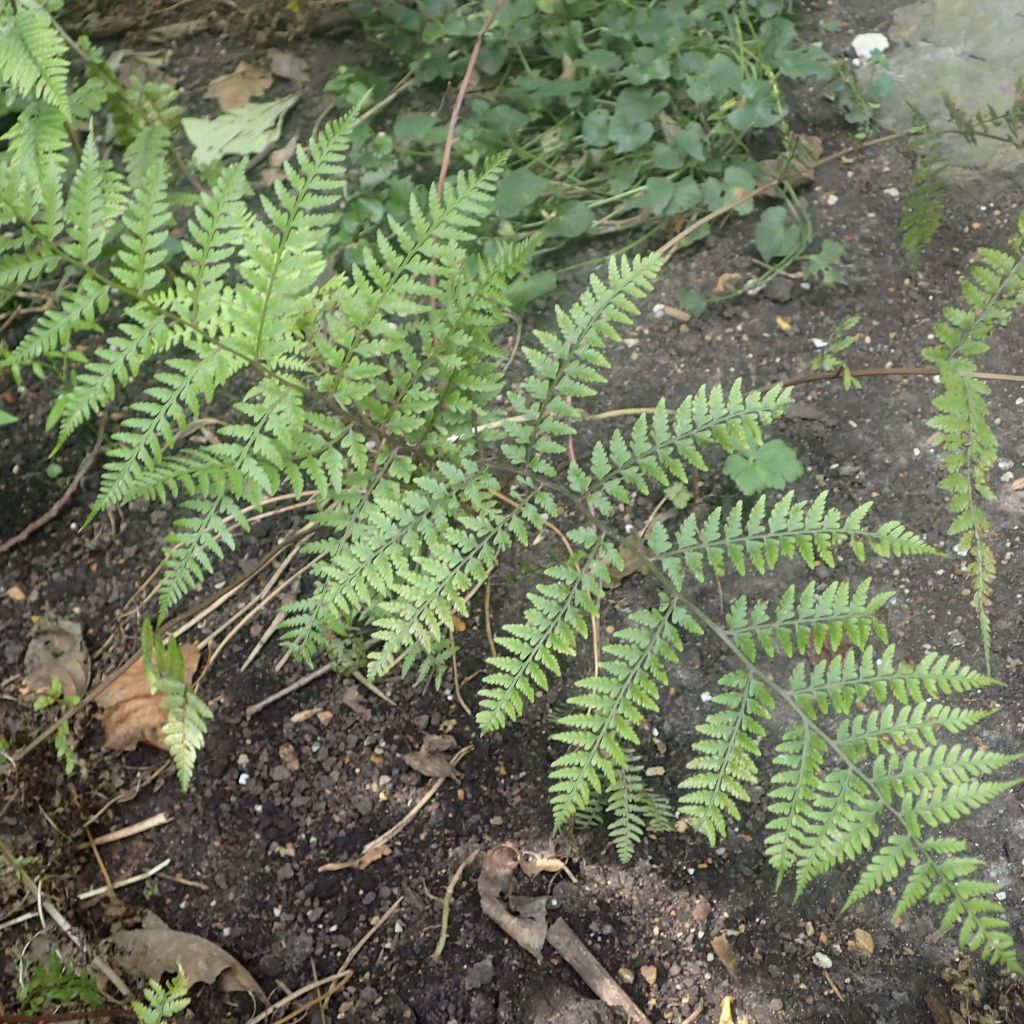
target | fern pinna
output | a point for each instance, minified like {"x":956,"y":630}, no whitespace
{"x":380,"y":396}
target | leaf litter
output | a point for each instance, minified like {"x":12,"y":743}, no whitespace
{"x":56,"y":651}
{"x":131,"y":713}
{"x":154,"y":950}
{"x":236,"y":89}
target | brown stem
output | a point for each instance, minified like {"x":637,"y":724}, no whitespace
{"x":449,"y":141}
{"x":899,"y":371}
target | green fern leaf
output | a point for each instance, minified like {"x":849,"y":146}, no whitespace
{"x":32,"y":55}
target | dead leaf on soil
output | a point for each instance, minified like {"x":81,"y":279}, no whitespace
{"x":235,"y":90}
{"x":726,"y":282}
{"x":56,"y":651}
{"x":288,"y":65}
{"x":497,"y":880}
{"x":863,"y":941}
{"x":131,"y":713}
{"x":352,"y":698}
{"x":277,"y":159}
{"x":724,"y":951}
{"x":799,"y":167}
{"x":360,"y":863}
{"x":155,"y":949}
{"x":533,"y":863}
{"x":431,"y":759}
{"x":725,"y":1017}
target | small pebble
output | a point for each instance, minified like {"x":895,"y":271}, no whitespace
{"x":821,"y":960}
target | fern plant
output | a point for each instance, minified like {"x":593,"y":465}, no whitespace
{"x":993,"y":293}
{"x":160,"y":1002}
{"x":382,"y":394}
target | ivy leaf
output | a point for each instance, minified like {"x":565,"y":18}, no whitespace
{"x":758,"y":109}
{"x":518,"y":190}
{"x":777,"y":237}
{"x":595,"y":128}
{"x":770,"y":467}
{"x":571,"y":220}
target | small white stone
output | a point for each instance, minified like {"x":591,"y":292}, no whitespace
{"x":243,"y":779}
{"x":867,"y":44}
{"x":705,"y":697}
{"x":821,"y":960}
{"x":893,"y":193}
{"x":831,"y":199}
{"x":819,"y":343}
{"x":1001,"y":896}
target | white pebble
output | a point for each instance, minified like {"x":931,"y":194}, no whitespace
{"x":821,"y":960}
{"x":867,"y":44}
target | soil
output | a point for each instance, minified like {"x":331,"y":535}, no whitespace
{"x":314,"y":776}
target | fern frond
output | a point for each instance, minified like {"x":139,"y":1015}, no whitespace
{"x":993,"y":292}
{"x":924,"y":206}
{"x":660,"y":448}
{"x":809,"y":531}
{"x":557,"y":617}
{"x":611,"y":707}
{"x":32,"y":55}
{"x":811,"y":620}
{"x":97,"y":197}
{"x":726,"y":764}
{"x":634,"y":809}
{"x":569,"y":365}
{"x":187,"y":714}
{"x":160,"y":1003}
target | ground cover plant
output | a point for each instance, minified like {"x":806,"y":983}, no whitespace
{"x":619,"y":116}
{"x":379,"y":393}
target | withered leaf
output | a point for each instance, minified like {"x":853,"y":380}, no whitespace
{"x":528,"y":929}
{"x":153,"y":950}
{"x":235,"y":90}
{"x":288,"y":65}
{"x":57,"y":651}
{"x":724,"y":951}
{"x":131,"y":713}
{"x":360,"y":863}
{"x":431,"y":760}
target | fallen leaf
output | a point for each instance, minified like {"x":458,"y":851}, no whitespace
{"x":533,"y":863}
{"x":724,"y":951}
{"x":288,"y":757}
{"x":131,"y":713}
{"x":726,"y":282}
{"x":235,"y":90}
{"x":496,"y":880}
{"x":725,"y":1017}
{"x":351,"y":697}
{"x":798,"y":169}
{"x":863,"y":941}
{"x":288,"y":65}
{"x":431,"y":760}
{"x":683,"y":315}
{"x":360,"y":863}
{"x":56,"y":651}
{"x":155,"y":949}
{"x":242,"y":132}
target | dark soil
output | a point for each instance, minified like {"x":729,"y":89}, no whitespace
{"x":311,"y":779}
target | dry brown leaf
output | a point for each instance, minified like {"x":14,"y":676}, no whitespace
{"x":724,"y":951}
{"x":56,"y":651}
{"x":533,"y":863}
{"x":288,"y":65}
{"x":800,"y":167}
{"x":497,"y":878}
{"x":235,"y":90}
{"x":361,"y":863}
{"x":863,"y":941}
{"x":155,"y":949}
{"x":351,"y":697}
{"x":726,"y":282}
{"x":432,"y":760}
{"x":131,"y":713}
